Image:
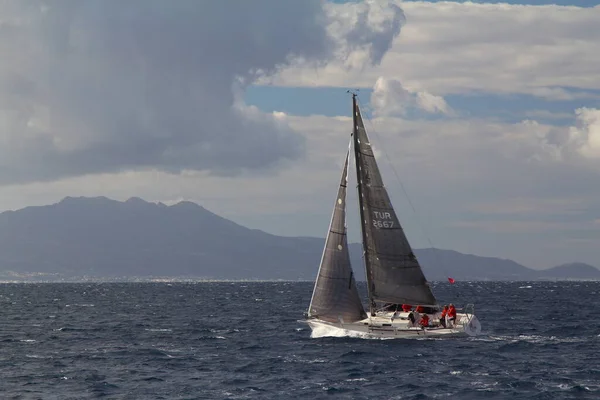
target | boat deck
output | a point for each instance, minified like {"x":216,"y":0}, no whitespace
{"x":383,"y":325}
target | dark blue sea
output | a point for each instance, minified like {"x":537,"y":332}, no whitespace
{"x":241,"y":340}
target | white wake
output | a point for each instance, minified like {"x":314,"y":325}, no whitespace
{"x":332,"y":331}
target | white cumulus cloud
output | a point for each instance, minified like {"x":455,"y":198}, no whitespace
{"x":586,"y":134}
{"x":389,"y":97}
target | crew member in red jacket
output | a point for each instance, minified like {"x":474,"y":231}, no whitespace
{"x":424,"y":320}
{"x":443,"y":317}
{"x":452,"y":314}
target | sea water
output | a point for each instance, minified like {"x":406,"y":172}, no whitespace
{"x":242,"y":340}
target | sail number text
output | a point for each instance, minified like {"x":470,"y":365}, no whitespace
{"x":382,"y":220}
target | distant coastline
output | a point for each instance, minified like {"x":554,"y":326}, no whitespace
{"x":102,"y":240}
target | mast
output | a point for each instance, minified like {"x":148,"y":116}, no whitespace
{"x":360,"y":203}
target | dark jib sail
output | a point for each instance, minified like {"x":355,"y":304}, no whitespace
{"x":393,"y":272}
{"x":335,"y":296}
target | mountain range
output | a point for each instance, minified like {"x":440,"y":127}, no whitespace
{"x":100,"y":238}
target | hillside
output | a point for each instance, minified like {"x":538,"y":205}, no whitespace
{"x":571,"y":271}
{"x":104,"y":238}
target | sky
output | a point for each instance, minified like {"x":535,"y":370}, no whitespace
{"x":485,"y":116}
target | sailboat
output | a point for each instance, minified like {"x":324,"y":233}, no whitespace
{"x":399,"y":295}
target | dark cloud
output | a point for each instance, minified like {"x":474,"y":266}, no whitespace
{"x":93,"y":86}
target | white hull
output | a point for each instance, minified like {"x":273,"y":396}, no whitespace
{"x":383,"y":326}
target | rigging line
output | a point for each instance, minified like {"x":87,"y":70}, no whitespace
{"x":435,"y":253}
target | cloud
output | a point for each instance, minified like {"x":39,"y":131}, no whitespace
{"x":545,"y":114}
{"x":578,"y":144}
{"x":532,"y":206}
{"x":520,"y":226}
{"x":586,"y":135}
{"x":389,"y":97}
{"x":362,"y":33}
{"x":102,"y":86}
{"x":450,"y":47}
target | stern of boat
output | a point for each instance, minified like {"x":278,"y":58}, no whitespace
{"x":469,"y":321}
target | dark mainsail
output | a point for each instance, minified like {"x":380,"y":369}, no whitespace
{"x":335,"y":295}
{"x":393,"y":272}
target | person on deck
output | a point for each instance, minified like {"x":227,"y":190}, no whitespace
{"x":406,"y":307}
{"x":443,"y":317}
{"x":424,"y":320}
{"x":411,"y":318}
{"x":419,"y":309}
{"x":452,"y":314}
